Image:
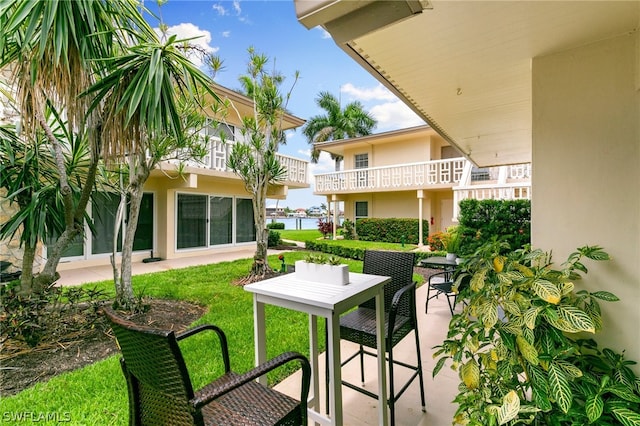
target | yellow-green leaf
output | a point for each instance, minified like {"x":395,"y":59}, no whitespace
{"x":577,"y":318}
{"x":530,"y":317}
{"x":470,"y":374}
{"x":527,"y":350}
{"x":547,"y":291}
{"x":510,"y":408}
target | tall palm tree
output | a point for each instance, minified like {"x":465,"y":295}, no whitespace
{"x":338,"y":123}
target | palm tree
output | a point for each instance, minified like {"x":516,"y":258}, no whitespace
{"x":102,"y":64}
{"x":338,"y":123}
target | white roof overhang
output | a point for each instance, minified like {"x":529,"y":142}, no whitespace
{"x":465,"y":66}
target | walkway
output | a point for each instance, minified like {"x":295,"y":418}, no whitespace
{"x":105,"y":272}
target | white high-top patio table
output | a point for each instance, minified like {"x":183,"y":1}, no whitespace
{"x":328,"y":301}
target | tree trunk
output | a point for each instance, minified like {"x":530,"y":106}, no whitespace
{"x":124,"y":287}
{"x":74,"y":214}
{"x":26,"y":276}
{"x":260,"y":264}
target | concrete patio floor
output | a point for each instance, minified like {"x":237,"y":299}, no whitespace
{"x":358,"y":409}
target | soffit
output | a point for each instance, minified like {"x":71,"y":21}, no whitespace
{"x":465,"y":66}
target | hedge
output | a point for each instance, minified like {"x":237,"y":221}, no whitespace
{"x":275,"y":225}
{"x":355,"y":253}
{"x":391,"y":230}
{"x":482,"y":220}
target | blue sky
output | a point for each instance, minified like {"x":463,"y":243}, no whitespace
{"x":229,"y":28}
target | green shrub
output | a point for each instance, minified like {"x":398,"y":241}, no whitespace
{"x":30,"y":318}
{"x":518,"y":345}
{"x":273,"y":239}
{"x":275,"y":225}
{"x":348,"y":230}
{"x":391,"y":230}
{"x":480,"y":221}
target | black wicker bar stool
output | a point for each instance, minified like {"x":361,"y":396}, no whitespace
{"x":359,"y":325}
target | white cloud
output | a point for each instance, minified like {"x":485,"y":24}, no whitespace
{"x":198,"y":37}
{"x":236,"y":7}
{"x":226,"y":34}
{"x":394,"y":115}
{"x":324,"y":33}
{"x":220,"y":9}
{"x":378,"y":92}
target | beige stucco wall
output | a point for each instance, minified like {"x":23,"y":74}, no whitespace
{"x":586,"y":171}
{"x":403,"y":204}
{"x":408,"y":148}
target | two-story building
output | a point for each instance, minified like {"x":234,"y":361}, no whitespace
{"x":412,"y":173}
{"x":203,"y":209}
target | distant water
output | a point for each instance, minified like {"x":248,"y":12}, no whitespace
{"x":297,"y":222}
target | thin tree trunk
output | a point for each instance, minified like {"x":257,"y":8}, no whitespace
{"x":26,"y":277}
{"x":74,"y":214}
{"x":124,"y":289}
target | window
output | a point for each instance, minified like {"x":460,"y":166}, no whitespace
{"x":362,"y":209}
{"x":245,"y":227}
{"x":143,"y":240}
{"x":361,"y":161}
{"x":220,"y":220}
{"x":191,"y":221}
{"x":104,"y":208}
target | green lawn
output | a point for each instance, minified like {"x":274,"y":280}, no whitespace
{"x":312,"y":234}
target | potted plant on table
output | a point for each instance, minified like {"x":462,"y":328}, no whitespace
{"x":517,"y":351}
{"x":451,"y":242}
{"x":320,"y":268}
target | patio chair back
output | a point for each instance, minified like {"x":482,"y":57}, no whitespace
{"x":397,"y":265}
{"x":157,"y":378}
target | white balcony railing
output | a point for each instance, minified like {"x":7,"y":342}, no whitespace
{"x":397,"y":177}
{"x":216,"y":159}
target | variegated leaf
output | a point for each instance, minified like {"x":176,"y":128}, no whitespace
{"x":626,"y":416}
{"x":504,"y":278}
{"x":511,"y":307}
{"x":530,"y":317}
{"x":510,"y":408}
{"x":547,"y":291}
{"x":624,"y":392}
{"x":562,"y":324}
{"x":566,"y":288}
{"x":489,"y":314}
{"x":470,"y":374}
{"x":594,"y":313}
{"x":559,"y":387}
{"x":477,"y":280}
{"x":569,"y":368}
{"x":577,"y":318}
{"x":512,"y":328}
{"x":593,"y":407}
{"x":527,"y":350}
{"x":523,"y":269}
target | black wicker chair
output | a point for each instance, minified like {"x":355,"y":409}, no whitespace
{"x":160,"y":390}
{"x":359,"y":326}
{"x":442,"y":283}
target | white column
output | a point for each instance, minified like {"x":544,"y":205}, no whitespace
{"x":420,"y":196}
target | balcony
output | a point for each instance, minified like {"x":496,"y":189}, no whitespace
{"x":399,"y":177}
{"x":216,"y":159}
